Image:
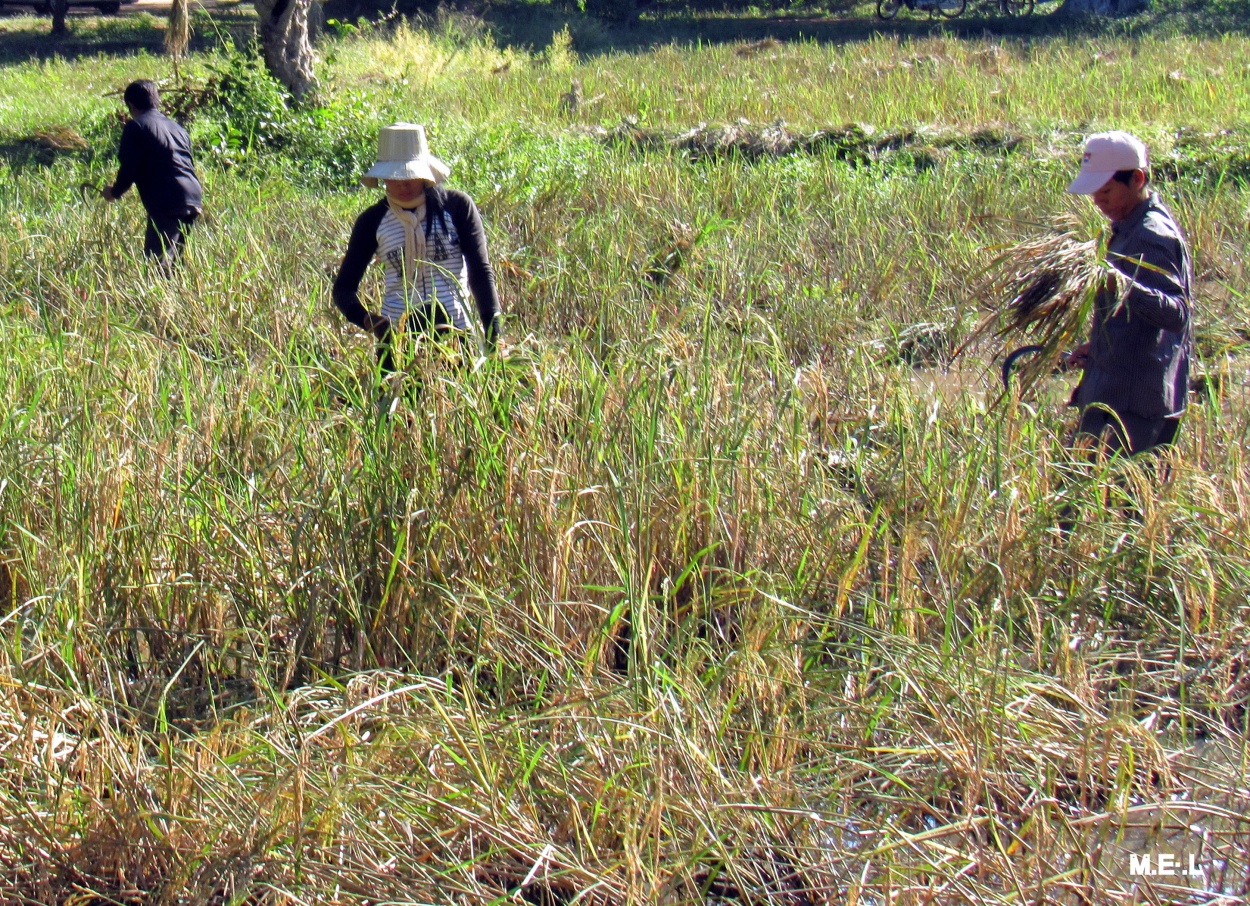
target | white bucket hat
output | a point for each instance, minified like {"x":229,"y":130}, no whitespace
{"x":404,"y":154}
{"x":1106,"y":154}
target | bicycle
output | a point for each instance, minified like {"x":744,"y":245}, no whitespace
{"x":888,"y":9}
{"x":1012,"y":8}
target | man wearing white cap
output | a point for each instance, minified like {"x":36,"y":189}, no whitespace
{"x":432,"y":246}
{"x":1136,"y":379}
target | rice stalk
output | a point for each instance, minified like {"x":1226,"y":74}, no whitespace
{"x":691,"y":599}
{"x":1050,"y":284}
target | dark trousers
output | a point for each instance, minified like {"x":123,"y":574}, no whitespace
{"x":1109,"y":434}
{"x":1117,"y":433}
{"x":166,"y":234}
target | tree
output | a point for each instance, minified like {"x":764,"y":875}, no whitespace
{"x":178,"y":31}
{"x":59,"y":8}
{"x":286,"y":43}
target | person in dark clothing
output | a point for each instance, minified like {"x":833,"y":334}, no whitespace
{"x":432,"y":246}
{"x":1136,"y":363}
{"x":155,"y":157}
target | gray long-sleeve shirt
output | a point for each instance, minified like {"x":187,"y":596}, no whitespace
{"x":1139,"y":349}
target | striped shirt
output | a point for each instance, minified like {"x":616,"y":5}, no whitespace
{"x":457,"y":267}
{"x":444,"y":281}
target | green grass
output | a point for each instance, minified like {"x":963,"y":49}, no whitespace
{"x":702,"y":593}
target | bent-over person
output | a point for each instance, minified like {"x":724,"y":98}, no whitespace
{"x":1135,"y":384}
{"x":155,"y":157}
{"x":432,"y":247}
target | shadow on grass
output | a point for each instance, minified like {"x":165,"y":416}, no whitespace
{"x":25,"y":38}
{"x":516,"y":23}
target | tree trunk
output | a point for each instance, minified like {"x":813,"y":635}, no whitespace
{"x":178,"y":31}
{"x":1102,"y":7}
{"x":316,"y":20}
{"x":285,"y":42}
{"x":59,"y":10}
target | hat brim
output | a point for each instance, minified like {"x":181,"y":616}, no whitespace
{"x":429,"y":168}
{"x":1088,"y":182}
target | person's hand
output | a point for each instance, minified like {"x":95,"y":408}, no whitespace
{"x":1077,"y":357}
{"x":379,"y":326}
{"x":493,"y":334}
{"x":107,"y":192}
{"x":1111,"y":286}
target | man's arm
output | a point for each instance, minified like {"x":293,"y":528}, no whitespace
{"x":129,"y":154}
{"x":1156,"y":291}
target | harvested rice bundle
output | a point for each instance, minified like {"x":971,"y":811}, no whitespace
{"x":1050,"y":282}
{"x":59,"y":138}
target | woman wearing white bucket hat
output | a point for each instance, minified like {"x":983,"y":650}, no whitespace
{"x":431,"y":244}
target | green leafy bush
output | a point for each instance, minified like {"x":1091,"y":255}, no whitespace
{"x":245,"y":118}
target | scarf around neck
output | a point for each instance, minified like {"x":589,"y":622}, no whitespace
{"x":414,"y":242}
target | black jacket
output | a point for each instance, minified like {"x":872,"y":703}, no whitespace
{"x":155,"y":157}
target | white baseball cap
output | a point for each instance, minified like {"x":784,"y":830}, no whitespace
{"x":1106,"y":154}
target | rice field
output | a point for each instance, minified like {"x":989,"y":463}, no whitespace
{"x":727,"y":581}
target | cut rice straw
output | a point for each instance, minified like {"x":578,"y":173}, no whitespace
{"x":1050,"y":282}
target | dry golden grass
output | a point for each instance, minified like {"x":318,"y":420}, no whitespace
{"x":1042,"y":291}
{"x":693,"y":597}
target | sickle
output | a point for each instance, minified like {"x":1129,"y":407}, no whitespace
{"x":1010,"y":362}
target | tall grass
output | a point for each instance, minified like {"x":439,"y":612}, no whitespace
{"x":717,"y":587}
{"x":886,"y":81}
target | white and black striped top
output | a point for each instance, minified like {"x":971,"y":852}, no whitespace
{"x":457,"y":266}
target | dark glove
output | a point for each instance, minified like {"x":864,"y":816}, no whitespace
{"x":377,"y":325}
{"x":491,"y":335}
